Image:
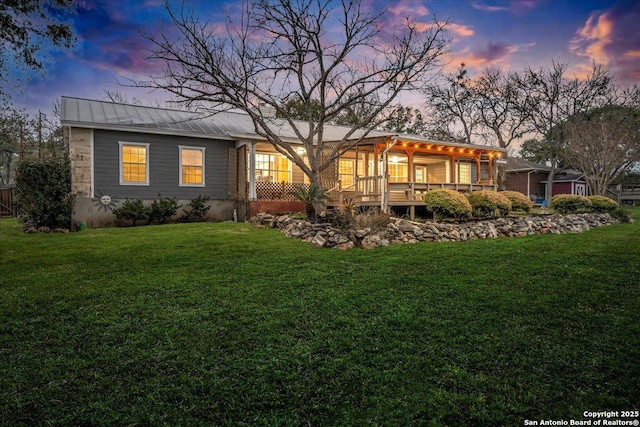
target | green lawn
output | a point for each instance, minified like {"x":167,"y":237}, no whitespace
{"x":227,"y":324}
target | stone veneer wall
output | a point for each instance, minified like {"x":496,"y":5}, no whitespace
{"x":79,"y":143}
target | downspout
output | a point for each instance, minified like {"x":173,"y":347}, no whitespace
{"x":383,"y":183}
{"x":529,"y":183}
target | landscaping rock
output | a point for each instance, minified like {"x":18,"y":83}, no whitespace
{"x":405,"y":231}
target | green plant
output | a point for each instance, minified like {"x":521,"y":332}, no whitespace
{"x":622,"y":214}
{"x":198,"y":209}
{"x":132,"y":210}
{"x":519,"y":202}
{"x":447,"y":203}
{"x":487,"y":203}
{"x":310,"y":196}
{"x":43,"y":193}
{"x":571,"y":203}
{"x":602,"y":204}
{"x":162,"y":210}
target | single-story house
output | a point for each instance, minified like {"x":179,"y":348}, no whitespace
{"x":129,"y":151}
{"x":530,"y":179}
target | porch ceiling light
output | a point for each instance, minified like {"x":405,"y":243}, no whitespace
{"x":300,"y":150}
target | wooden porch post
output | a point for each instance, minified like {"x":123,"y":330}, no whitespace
{"x":252,"y":171}
{"x":453,"y":169}
{"x":491,"y":168}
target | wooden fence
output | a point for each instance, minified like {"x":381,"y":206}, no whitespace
{"x":7,"y":208}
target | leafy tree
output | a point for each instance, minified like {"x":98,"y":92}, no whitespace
{"x":329,"y":59}
{"x":603,"y":143}
{"x":29,"y":27}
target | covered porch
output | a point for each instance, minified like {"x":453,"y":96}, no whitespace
{"x":395,"y":172}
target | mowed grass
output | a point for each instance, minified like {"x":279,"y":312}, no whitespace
{"x":228,"y":324}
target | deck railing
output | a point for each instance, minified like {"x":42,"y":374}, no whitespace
{"x":366,"y":189}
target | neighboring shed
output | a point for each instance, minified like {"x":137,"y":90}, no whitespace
{"x":526,"y":177}
{"x":569,"y":182}
{"x":531,"y":178}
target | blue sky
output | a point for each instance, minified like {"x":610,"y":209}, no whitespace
{"x":486,"y":33}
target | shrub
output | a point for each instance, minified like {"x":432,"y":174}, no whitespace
{"x":162,"y":210}
{"x":622,"y":214}
{"x":311,"y":196}
{"x":132,"y":210}
{"x":571,"y":203}
{"x":602,"y":204}
{"x":43,"y":193}
{"x":447,"y":203}
{"x":519,"y":202}
{"x":489,"y":203}
{"x":198,"y":210}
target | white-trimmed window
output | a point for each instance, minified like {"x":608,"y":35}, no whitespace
{"x":191,"y":166}
{"x":272,"y":168}
{"x":134,"y":163}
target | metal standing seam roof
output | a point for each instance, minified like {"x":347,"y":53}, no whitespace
{"x":220,"y":125}
{"x":228,"y":125}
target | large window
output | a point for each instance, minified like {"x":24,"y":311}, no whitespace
{"x":398,"y":169}
{"x":192,"y":166}
{"x":272,"y":168}
{"x":346,"y":172}
{"x":134,"y":163}
{"x":463,"y":173}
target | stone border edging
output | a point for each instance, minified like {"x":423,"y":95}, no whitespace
{"x":405,"y":231}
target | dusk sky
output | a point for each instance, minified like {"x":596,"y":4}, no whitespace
{"x":485,"y":33}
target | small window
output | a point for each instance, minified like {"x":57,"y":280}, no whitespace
{"x":192,"y":166}
{"x":134,"y":163}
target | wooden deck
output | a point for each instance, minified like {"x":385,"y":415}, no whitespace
{"x":625,"y":194}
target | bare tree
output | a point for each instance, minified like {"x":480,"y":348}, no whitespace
{"x":603,"y":143}
{"x":454,"y":115}
{"x":552,"y":97}
{"x":497,"y":99}
{"x":337,"y":54}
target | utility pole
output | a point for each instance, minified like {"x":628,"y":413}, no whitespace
{"x":39,"y":135}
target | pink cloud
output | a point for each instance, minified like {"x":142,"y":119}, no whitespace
{"x":611,"y":37}
{"x":495,"y":55}
{"x":409,"y":8}
{"x":487,"y":8}
{"x":521,"y":7}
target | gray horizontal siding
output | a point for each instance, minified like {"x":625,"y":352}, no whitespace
{"x":164,"y":168}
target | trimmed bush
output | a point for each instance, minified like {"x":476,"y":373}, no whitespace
{"x":571,"y":203}
{"x":198,"y":210}
{"x":132,"y":210}
{"x":519,"y":202}
{"x":602,"y":204}
{"x":162,"y":210}
{"x":487,"y":203}
{"x":447,"y":203}
{"x":43,"y":193}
